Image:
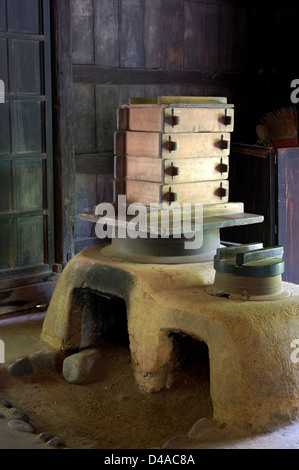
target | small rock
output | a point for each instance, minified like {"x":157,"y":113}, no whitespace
{"x":19,"y":425}
{"x":175,"y":442}
{"x":4,"y":402}
{"x":56,"y":442}
{"x":20,"y":414}
{"x":45,"y":436}
{"x":1,"y":416}
{"x":47,"y":360}
{"x":122,"y":397}
{"x":198,"y":427}
{"x":21,"y":367}
{"x":83,"y":367}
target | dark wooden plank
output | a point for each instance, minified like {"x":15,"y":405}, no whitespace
{"x":95,"y":163}
{"x":171,"y":90}
{"x":17,"y":277}
{"x":26,"y":127}
{"x":152,"y":91}
{"x":252,"y":181}
{"x":64,"y":161}
{"x":84,"y":118}
{"x":172,"y":34}
{"x":2,"y":15}
{"x":24,"y":17}
{"x":85,"y":202}
{"x":226,"y":38}
{"x":208,"y":90}
{"x":104,"y":188}
{"x":29,"y":241}
{"x":202,"y":23}
{"x":152,"y":33}
{"x":286,"y":37}
{"x":24,"y":278}
{"x":252,"y":150}
{"x":131,"y":34}
{"x":86,"y":192}
{"x":25,"y":69}
{"x":4,"y":126}
{"x":5,"y":186}
{"x":106,"y":33}
{"x":107,"y":102}
{"x":240,"y":32}
{"x":244,"y":24}
{"x":6,"y":252}
{"x":28,"y":180}
{"x":288,"y":211}
{"x":48,"y":172}
{"x":212,"y":38}
{"x":26,"y":160}
{"x":83,"y":243}
{"x":3,"y":64}
{"x":82,"y":32}
{"x":199,"y":90}
{"x":194,"y":51}
{"x":128,"y":91}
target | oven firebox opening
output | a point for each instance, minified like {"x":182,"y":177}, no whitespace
{"x":190,"y":356}
{"x":103,"y":316}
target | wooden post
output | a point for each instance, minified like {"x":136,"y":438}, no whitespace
{"x":64,"y":158}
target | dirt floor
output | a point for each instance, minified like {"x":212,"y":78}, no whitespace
{"x":113,"y":413}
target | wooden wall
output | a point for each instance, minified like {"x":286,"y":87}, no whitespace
{"x":124,"y":48}
{"x":105,"y":51}
{"x":281,"y":65}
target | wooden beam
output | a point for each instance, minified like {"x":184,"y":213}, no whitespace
{"x":25,"y":280}
{"x":26,"y":297}
{"x":254,"y":150}
{"x":64,"y":161}
{"x":122,"y":76}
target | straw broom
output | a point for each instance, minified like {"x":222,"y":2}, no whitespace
{"x":282,"y":127}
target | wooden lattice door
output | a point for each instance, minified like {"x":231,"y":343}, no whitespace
{"x":26,"y":173}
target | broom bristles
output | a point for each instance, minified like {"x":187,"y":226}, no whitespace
{"x":281,"y":124}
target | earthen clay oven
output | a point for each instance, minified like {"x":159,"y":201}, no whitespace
{"x":230,"y":298}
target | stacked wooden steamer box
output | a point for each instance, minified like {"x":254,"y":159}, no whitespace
{"x":173,"y":150}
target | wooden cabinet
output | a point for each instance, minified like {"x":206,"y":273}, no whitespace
{"x":267,"y":181}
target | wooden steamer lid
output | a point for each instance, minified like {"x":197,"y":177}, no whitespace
{"x":249,"y":272}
